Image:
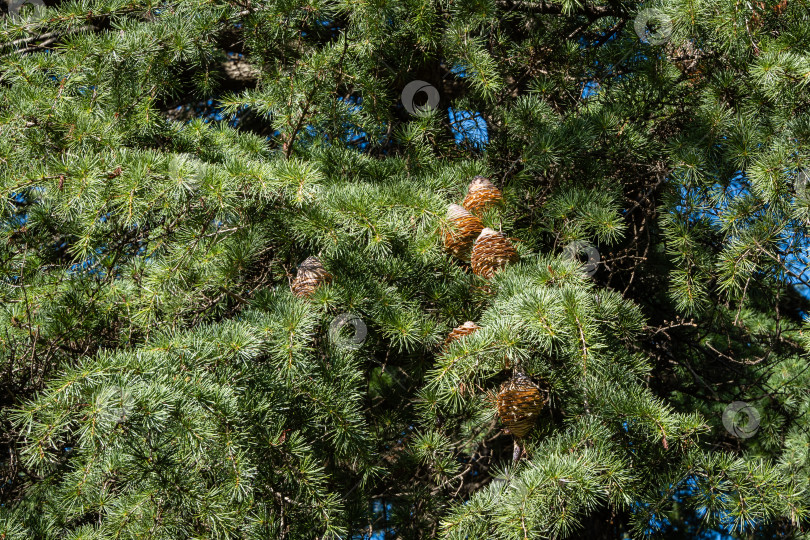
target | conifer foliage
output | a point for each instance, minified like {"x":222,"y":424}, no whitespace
{"x":253,"y":286}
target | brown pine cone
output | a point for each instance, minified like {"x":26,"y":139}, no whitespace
{"x":687,"y":57}
{"x":465,"y":229}
{"x":482,"y":194}
{"x":491,"y":252}
{"x":519,"y":404}
{"x":459,"y":332}
{"x":310,"y":275}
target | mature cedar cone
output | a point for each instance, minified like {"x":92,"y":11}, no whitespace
{"x":481,"y":195}
{"x":687,"y":57}
{"x":519,"y":404}
{"x":491,"y":252}
{"x":460,"y":331}
{"x":310,"y":275}
{"x":465,"y":229}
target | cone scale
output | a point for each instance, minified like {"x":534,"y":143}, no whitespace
{"x":519,"y":404}
{"x":459,"y":332}
{"x":311,"y":274}
{"x":481,"y":195}
{"x":491,"y":252}
{"x":465,"y":229}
